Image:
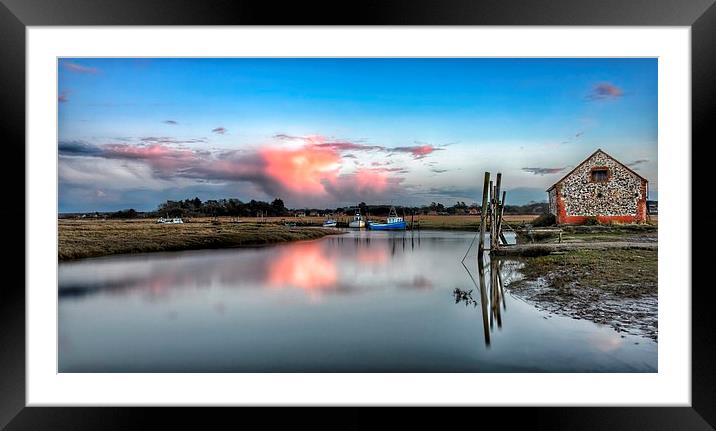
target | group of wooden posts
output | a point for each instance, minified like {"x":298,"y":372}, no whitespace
{"x":492,"y":209}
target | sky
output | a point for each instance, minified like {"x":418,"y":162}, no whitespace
{"x":332,"y":132}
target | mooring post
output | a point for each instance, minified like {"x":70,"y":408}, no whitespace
{"x":483,"y":211}
{"x":489,"y":210}
{"x":499,"y":223}
{"x":498,"y":183}
{"x":493,"y":220}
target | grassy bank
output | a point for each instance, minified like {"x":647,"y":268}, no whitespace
{"x":623,"y":272}
{"x":80,"y":238}
{"x":615,"y":287}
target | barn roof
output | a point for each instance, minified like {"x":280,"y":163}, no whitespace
{"x":599,"y":150}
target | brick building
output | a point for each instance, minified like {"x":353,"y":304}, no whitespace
{"x":600,"y":187}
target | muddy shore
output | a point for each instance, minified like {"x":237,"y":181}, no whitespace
{"x":611,"y":286}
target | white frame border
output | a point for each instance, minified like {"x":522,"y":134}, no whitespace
{"x":669,"y":387}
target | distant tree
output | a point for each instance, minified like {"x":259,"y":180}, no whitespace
{"x":278,"y":208}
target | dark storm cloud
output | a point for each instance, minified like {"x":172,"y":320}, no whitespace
{"x":543,"y":171}
{"x":78,"y":148}
{"x":636,"y":163}
{"x":170,"y":140}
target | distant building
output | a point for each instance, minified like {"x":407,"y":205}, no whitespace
{"x":600,"y":187}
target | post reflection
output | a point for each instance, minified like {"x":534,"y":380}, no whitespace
{"x":491,"y":290}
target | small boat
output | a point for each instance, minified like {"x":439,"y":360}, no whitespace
{"x":392,"y":223}
{"x":330,"y":223}
{"x":358,"y":220}
{"x":175,"y":220}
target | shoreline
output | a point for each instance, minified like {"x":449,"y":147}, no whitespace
{"x":93,"y":239}
{"x":612,"y":286}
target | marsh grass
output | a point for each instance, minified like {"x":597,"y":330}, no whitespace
{"x":623,"y":272}
{"x":92,"y":238}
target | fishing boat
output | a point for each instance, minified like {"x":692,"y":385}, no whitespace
{"x":393,"y":222}
{"x":358,"y":220}
{"x":330,"y":223}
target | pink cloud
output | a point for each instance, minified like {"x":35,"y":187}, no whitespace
{"x":63,"y":97}
{"x":78,"y":68}
{"x":311,"y":172}
{"x":301,"y":170}
{"x":605,"y":90}
{"x":417,"y":151}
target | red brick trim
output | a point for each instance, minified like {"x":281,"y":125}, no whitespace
{"x":563,"y":218}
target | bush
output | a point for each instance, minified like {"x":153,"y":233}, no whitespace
{"x":591,"y":221}
{"x":545,"y":220}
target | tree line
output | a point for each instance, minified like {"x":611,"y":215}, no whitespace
{"x":236,"y":208}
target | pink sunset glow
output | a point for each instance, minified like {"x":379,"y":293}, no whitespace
{"x":301,"y":170}
{"x":304,"y":266}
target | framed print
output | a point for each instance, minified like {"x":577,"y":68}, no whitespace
{"x":241,"y":205}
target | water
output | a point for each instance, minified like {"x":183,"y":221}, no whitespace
{"x":358,"y":302}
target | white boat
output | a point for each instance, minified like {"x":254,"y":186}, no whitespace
{"x":358,"y":220}
{"x":175,"y":220}
{"x":330,"y":223}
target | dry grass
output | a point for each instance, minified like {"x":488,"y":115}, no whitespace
{"x":92,"y":238}
{"x":465,"y":222}
{"x":457,"y":222}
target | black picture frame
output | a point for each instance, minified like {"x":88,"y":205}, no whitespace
{"x":16,"y":15}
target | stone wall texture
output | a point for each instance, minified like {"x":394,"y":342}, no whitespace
{"x":621,"y":198}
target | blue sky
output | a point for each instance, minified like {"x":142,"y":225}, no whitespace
{"x":332,"y":132}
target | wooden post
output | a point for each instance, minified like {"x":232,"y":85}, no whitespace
{"x":498,"y":183}
{"x":493,"y":219}
{"x":491,"y":208}
{"x":500,"y":236}
{"x":483,"y":213}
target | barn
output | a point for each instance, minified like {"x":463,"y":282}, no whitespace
{"x":600,"y":187}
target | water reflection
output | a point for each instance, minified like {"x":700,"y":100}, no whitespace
{"x":490,"y":288}
{"x":385,"y":306}
{"x":315,"y":267}
{"x":306,"y":266}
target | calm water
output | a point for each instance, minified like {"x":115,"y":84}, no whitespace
{"x":358,"y":302}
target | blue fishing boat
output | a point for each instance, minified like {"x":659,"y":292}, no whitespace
{"x":392,"y":223}
{"x":330,"y":223}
